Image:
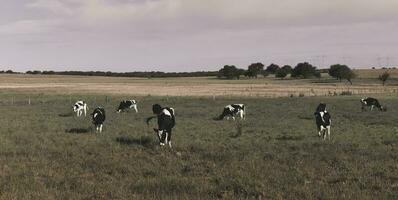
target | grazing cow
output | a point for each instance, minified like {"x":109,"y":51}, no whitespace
{"x":166,"y":121}
{"x":323,"y":120}
{"x":232,"y":110}
{"x":80,"y":107}
{"x":98,"y":118}
{"x":127,"y":104}
{"x":371,"y":102}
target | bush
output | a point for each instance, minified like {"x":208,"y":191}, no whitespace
{"x":384,"y":77}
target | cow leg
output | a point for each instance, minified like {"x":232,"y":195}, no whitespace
{"x":328,"y":129}
{"x":371,"y":107}
{"x":233,"y":118}
{"x":100,"y":128}
{"x":135,"y":108}
{"x":161,"y":138}
{"x":169,"y":137}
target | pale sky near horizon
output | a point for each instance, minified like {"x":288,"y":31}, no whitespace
{"x":195,"y":35}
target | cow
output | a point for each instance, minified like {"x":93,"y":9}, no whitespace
{"x":233,"y":110}
{"x":80,"y":107}
{"x":371,"y":102}
{"x":323,"y":121}
{"x":98,"y":118}
{"x":166,"y":122}
{"x":127,"y":104}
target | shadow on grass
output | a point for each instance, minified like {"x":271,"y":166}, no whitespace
{"x":142,"y":141}
{"x":65,"y":115}
{"x":78,"y":130}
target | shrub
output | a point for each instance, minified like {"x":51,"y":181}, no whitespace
{"x":384,"y":77}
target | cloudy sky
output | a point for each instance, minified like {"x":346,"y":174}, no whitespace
{"x":192,"y":35}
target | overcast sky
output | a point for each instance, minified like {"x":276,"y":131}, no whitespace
{"x":192,"y":35}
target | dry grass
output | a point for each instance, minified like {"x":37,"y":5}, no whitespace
{"x":204,"y":86}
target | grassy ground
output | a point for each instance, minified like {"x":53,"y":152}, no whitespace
{"x":46,"y":153}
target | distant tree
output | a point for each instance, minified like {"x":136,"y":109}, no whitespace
{"x":230,"y":72}
{"x":281,"y":73}
{"x":341,"y":72}
{"x":303,"y":70}
{"x":318,"y":74}
{"x":265,"y":73}
{"x":287,"y":68}
{"x":384,"y":77}
{"x":254,"y":69}
{"x":9,"y":71}
{"x":272,"y":68}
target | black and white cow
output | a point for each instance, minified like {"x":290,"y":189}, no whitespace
{"x":98,"y":118}
{"x":233,"y":110}
{"x":371,"y":102}
{"x":166,"y":122}
{"x":127,"y":104}
{"x":323,"y":121}
{"x":80,"y":107}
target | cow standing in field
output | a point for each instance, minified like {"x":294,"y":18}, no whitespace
{"x":323,"y":120}
{"x":80,"y":107}
{"x":371,"y":102}
{"x":166,"y":122}
{"x":127,"y":104}
{"x":98,"y":118}
{"x":233,"y":110}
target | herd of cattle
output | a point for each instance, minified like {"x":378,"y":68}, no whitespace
{"x":166,"y":116}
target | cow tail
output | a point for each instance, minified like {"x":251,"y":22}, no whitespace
{"x":149,"y":119}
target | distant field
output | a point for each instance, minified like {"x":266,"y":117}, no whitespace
{"x":366,"y":83}
{"x":48,"y":153}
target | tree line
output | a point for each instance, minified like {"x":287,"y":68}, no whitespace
{"x":301,"y":70}
{"x":151,"y":74}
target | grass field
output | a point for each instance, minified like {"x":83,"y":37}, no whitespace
{"x":366,"y":83}
{"x":48,"y":153}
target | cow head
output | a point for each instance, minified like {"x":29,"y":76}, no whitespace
{"x":156,"y":109}
{"x":160,"y":133}
{"x":383,"y":108}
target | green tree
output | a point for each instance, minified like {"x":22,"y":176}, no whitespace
{"x":281,"y":73}
{"x":272,"y":68}
{"x":341,"y":72}
{"x":304,"y":70}
{"x":287,"y":68}
{"x":230,"y":72}
{"x":254,"y":69}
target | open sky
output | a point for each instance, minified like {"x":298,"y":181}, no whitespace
{"x":193,"y":35}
